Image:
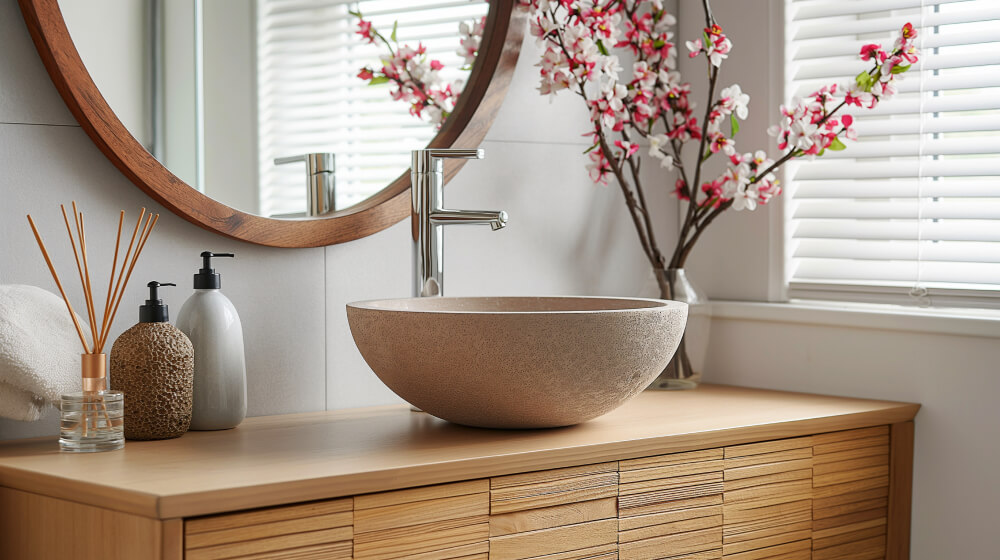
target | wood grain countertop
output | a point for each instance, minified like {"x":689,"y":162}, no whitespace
{"x":299,"y":457}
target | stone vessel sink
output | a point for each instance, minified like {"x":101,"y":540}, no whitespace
{"x":517,"y":362}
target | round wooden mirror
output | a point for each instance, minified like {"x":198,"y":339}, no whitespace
{"x":466,"y":127}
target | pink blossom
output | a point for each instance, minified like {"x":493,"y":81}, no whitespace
{"x":695,"y":48}
{"x":598,"y":168}
{"x":718,"y":46}
{"x":720,"y":142}
{"x":873,"y":51}
{"x":628,"y":148}
{"x":860,"y":98}
{"x":365,"y":30}
{"x":680,"y":190}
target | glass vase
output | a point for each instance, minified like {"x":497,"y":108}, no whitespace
{"x":685,"y":368}
{"x":93,"y":419}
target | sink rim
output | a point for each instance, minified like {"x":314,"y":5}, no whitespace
{"x":396,"y":305}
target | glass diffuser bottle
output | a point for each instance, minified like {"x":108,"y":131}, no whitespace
{"x":92,"y":419}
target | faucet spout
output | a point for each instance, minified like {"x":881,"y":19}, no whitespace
{"x":428,"y":216}
{"x":496,"y":220}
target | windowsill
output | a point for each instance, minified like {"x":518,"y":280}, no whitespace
{"x":961,"y":322}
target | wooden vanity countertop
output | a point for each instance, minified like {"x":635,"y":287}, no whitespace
{"x":277,"y":460}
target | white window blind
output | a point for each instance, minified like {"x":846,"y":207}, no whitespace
{"x":311,"y":100}
{"x":912,"y":210}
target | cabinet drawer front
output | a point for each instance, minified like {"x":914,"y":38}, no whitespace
{"x":314,"y":530}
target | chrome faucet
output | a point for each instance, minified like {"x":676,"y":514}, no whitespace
{"x":427,"y":216}
{"x":320,"y":186}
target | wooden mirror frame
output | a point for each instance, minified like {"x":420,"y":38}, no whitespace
{"x":466,"y":127}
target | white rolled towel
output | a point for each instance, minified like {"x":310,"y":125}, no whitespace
{"x":39,"y":351}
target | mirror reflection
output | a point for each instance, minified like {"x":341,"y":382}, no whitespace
{"x":219,"y":90}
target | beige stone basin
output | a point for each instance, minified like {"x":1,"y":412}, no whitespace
{"x":517,"y":362}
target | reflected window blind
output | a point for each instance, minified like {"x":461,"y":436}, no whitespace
{"x":912,"y":210}
{"x":311,"y":100}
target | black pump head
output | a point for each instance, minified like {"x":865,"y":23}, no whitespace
{"x":155,"y":311}
{"x":207,"y":278}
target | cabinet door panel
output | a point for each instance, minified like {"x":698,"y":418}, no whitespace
{"x":561,"y":514}
{"x":431,"y":523}
{"x":851,"y":490}
{"x":767,"y":511}
{"x":314,"y":530}
{"x":671,"y":506}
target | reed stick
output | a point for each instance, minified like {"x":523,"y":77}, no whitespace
{"x":121,"y":275}
{"x":52,"y":269}
{"x":146,"y":230}
{"x":79,"y":268}
{"x":114,"y":265}
{"x":82,"y":232}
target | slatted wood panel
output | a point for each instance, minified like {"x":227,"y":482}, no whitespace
{"x":767,"y":511}
{"x":670,"y":506}
{"x":319,"y":530}
{"x":851,"y":494}
{"x":447,"y":521}
{"x":560,"y":514}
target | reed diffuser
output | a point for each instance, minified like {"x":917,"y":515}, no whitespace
{"x":92,"y":419}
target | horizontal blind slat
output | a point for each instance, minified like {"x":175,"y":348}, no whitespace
{"x":902,"y":230}
{"x":964,"y":208}
{"x":897,"y":271}
{"x":899,"y":188}
{"x":985,"y":11}
{"x":867,"y":149}
{"x":870,"y":170}
{"x":943,"y":251}
{"x":856,"y":7}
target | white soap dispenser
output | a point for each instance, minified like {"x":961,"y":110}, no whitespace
{"x":209,"y":319}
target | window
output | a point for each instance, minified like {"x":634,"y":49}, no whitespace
{"x":910,"y":212}
{"x":310,"y":99}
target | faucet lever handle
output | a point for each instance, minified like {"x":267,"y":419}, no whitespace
{"x":429,"y":160}
{"x":317,"y":162}
{"x":471,"y":153}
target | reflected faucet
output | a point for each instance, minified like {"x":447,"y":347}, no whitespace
{"x":320,"y":186}
{"x":427,"y":217}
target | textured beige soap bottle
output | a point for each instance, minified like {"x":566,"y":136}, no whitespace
{"x":152,"y":363}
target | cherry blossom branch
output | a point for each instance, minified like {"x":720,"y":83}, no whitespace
{"x":676,"y":260}
{"x":579,"y":38}
{"x":630,"y":201}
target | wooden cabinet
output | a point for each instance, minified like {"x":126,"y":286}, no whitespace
{"x":821,"y":497}
{"x":835,"y":486}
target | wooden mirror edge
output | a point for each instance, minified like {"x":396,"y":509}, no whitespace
{"x":466,"y":127}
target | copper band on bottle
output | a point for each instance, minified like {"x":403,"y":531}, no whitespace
{"x":94,"y":384}
{"x":94,"y":369}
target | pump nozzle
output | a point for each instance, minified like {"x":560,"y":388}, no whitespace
{"x":207,"y":279}
{"x":154,"y":311}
